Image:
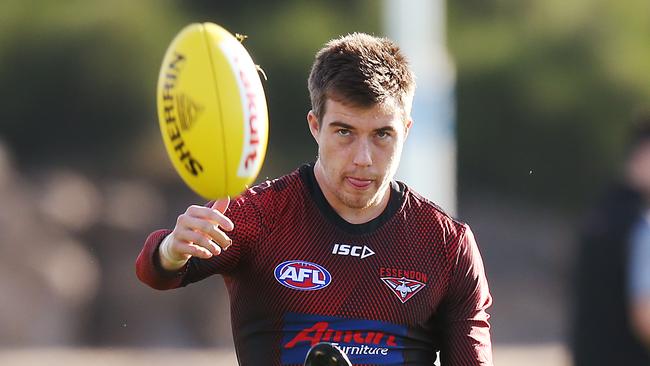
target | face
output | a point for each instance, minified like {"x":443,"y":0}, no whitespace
{"x":639,"y":168}
{"x":358,"y":152}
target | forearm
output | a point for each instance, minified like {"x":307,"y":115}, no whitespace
{"x":468,"y":342}
{"x":466,"y":336}
{"x":149,"y":268}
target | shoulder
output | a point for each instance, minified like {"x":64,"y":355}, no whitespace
{"x":424,"y":212}
{"x":272,"y":194}
{"x":256,"y":212}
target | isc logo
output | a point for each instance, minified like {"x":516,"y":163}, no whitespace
{"x":352,"y":250}
{"x":301,"y":275}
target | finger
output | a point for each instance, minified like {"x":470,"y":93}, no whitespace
{"x":199,"y":239}
{"x":221,"y":239}
{"x":212,"y":215}
{"x":200,"y":252}
{"x":185,"y":248}
{"x":222,"y":204}
{"x":205,"y":227}
{"x":201,"y":225}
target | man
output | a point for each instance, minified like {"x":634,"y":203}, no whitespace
{"x":612,"y":314}
{"x":337,"y":251}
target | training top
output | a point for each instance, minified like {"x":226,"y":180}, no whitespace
{"x":392,"y":291}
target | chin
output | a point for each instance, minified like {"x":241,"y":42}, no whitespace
{"x":357,"y":204}
{"x":357,"y":201}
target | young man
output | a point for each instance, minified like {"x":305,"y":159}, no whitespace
{"x":338,"y":251}
{"x":611,"y":323}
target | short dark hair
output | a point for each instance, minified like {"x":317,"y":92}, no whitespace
{"x":361,"y":70}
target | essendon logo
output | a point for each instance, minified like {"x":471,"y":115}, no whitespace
{"x":300,"y":275}
{"x":403,"y":288}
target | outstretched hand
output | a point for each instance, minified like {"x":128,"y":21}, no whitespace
{"x":199,"y":232}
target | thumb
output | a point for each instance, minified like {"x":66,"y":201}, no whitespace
{"x":221,"y":204}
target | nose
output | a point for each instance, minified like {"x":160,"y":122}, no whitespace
{"x":362,"y":154}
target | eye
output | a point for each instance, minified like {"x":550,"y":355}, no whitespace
{"x":343,"y":132}
{"x":383,"y":134}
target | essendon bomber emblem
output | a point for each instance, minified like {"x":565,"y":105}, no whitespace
{"x":403,"y":288}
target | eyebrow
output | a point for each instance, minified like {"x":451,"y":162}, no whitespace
{"x":340,"y":124}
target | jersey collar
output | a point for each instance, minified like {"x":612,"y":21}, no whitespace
{"x":397,"y":193}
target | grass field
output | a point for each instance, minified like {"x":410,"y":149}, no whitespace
{"x":534,"y":355}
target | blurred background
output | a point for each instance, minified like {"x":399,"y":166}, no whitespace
{"x":545,"y":91}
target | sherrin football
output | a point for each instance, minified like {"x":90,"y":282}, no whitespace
{"x":212,"y":111}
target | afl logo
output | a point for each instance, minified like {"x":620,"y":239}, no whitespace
{"x":301,"y":275}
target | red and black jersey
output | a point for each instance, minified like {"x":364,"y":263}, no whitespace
{"x":392,"y":291}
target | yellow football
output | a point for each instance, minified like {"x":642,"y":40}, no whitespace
{"x":212,"y":111}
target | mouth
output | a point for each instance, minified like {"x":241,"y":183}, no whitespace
{"x":359,"y":183}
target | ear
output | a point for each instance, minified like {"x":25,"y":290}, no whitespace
{"x":314,"y":126}
{"x":407,"y":125}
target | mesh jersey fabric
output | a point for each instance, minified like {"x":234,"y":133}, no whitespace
{"x":392,"y":291}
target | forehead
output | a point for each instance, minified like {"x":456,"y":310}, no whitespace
{"x":376,"y":116}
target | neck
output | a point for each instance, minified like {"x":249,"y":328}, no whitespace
{"x":352,"y":215}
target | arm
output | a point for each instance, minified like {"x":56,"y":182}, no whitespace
{"x":148,"y":267}
{"x":198,"y":246}
{"x":466,"y":333}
